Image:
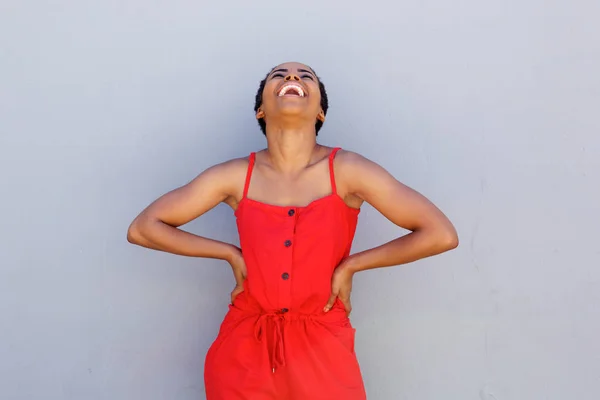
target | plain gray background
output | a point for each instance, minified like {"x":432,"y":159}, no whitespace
{"x":490,"y":109}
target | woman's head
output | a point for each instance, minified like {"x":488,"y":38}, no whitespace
{"x":291,"y":91}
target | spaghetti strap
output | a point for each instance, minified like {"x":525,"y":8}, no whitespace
{"x":331,"y":173}
{"x":251,"y":160}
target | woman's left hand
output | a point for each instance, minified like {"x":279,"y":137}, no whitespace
{"x":341,"y":286}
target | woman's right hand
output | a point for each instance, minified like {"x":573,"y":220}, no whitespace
{"x":238,"y":265}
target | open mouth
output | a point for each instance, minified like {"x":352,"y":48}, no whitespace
{"x":291,"y":89}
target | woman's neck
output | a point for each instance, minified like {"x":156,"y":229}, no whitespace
{"x":291,"y":150}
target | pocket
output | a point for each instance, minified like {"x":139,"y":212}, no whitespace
{"x":342,"y":331}
{"x":339,"y":357}
{"x":346,"y":337}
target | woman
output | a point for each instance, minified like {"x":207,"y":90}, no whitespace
{"x":287,"y":334}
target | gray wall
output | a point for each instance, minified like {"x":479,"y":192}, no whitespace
{"x":488,"y":108}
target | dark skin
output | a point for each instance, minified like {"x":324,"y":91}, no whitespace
{"x":293,"y":170}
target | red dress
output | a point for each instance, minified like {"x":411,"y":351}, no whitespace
{"x":276,"y":343}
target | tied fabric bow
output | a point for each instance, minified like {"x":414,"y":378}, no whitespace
{"x":272,"y":323}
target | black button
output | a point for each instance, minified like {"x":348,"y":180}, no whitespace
{"x":285,"y":276}
{"x":284,"y":310}
{"x":291,"y":213}
{"x":287,"y":243}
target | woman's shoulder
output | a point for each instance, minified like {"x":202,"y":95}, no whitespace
{"x":232,"y":165}
{"x":228,"y":172}
{"x":351,"y":166}
{"x":351,"y":159}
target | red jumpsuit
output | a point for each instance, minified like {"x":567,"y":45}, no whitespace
{"x":276,"y":343}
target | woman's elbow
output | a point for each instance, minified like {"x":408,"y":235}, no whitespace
{"x":442,"y":239}
{"x":134,"y":234}
{"x":451,"y":242}
{"x":448,"y":239}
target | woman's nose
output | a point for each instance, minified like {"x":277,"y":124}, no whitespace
{"x":292,"y":77}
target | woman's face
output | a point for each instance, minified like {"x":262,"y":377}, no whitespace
{"x":291,"y":90}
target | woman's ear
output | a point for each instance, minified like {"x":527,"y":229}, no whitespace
{"x":260,"y":114}
{"x":321,"y":116}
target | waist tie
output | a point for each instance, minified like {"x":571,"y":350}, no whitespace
{"x":270,"y":324}
{"x":261,"y":328}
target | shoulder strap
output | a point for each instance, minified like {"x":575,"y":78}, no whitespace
{"x":331,"y":173}
{"x":251,"y":161}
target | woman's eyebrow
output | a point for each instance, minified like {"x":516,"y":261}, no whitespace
{"x":278,"y":70}
{"x":305,"y":70}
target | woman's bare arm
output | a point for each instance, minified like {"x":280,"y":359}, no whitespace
{"x":431,"y":231}
{"x":157,"y":226}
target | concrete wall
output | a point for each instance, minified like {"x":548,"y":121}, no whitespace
{"x":491,"y":109}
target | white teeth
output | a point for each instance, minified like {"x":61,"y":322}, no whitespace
{"x":287,"y":88}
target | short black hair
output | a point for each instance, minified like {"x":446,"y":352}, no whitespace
{"x":258,"y":102}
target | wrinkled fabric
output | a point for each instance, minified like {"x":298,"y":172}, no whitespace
{"x":275,"y":342}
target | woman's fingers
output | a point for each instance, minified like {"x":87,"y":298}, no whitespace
{"x":347,"y":304}
{"x":330,"y":302}
{"x":237,"y":290}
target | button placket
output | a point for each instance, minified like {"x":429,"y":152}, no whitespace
{"x":285,"y":290}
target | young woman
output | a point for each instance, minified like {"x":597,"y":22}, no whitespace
{"x":287,"y":335}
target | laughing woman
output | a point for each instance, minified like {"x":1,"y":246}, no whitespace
{"x":287,"y":335}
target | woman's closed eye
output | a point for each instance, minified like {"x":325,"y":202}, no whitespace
{"x":279,"y":75}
